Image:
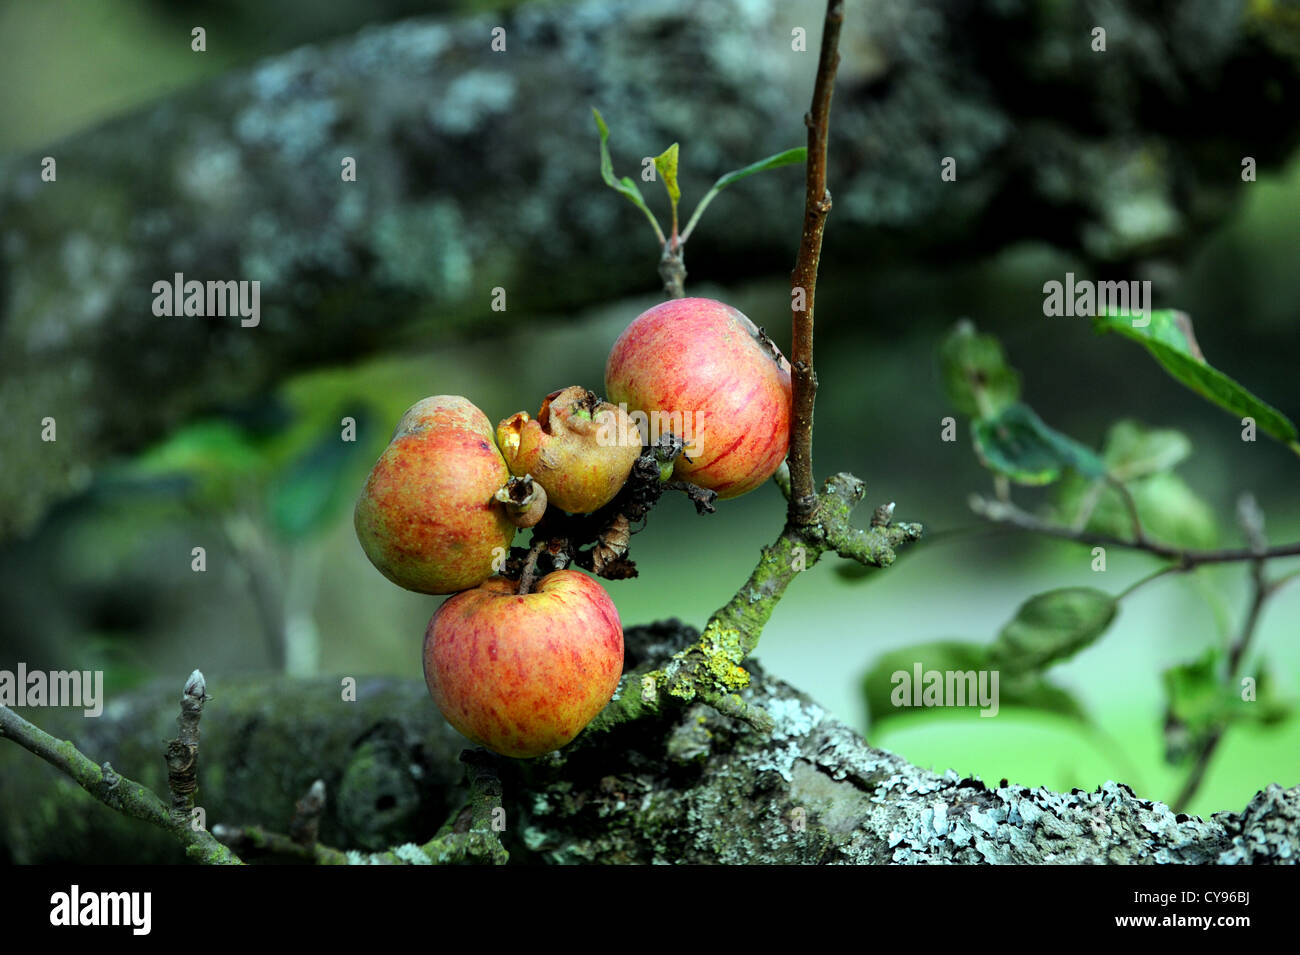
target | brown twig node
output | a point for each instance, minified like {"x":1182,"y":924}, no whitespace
{"x":304,"y":828}
{"x":182,"y":753}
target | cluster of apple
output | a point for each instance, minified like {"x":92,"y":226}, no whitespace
{"x":523,"y":672}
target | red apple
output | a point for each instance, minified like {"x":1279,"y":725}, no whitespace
{"x":427,"y":517}
{"x":697,"y":368}
{"x":522,"y":675}
{"x":579,"y":448}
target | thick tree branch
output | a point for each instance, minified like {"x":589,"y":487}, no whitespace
{"x":710,"y":670}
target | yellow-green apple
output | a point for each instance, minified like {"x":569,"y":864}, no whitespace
{"x":579,"y":448}
{"x":523,"y":674}
{"x":700,"y":369}
{"x":427,"y":516}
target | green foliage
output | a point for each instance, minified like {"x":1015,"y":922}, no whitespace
{"x":305,"y":497}
{"x":1133,"y":450}
{"x":1169,"y":509}
{"x":625,"y":186}
{"x":216,"y":457}
{"x":1169,"y":338}
{"x":1052,"y":626}
{"x":1017,"y":444}
{"x":976,"y":376}
{"x":1201,"y":703}
{"x":666,"y":165}
{"x":1140,"y":458}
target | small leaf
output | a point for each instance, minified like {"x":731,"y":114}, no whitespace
{"x":787,"y":158}
{"x":666,"y":165}
{"x":215,"y":458}
{"x":976,"y":376}
{"x":1199,"y":702}
{"x":625,"y":186}
{"x":1194,"y":704}
{"x":1133,"y":450}
{"x":1050,"y":627}
{"x":1019,"y":445}
{"x":311,"y":490}
{"x":1171,"y":512}
{"x":1169,"y":338}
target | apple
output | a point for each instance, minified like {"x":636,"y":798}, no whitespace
{"x":523,"y":674}
{"x":427,"y":517}
{"x":697,"y":367}
{"x":579,"y":449}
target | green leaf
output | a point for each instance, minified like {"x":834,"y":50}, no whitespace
{"x":666,"y":165}
{"x":1169,"y":338}
{"x":215,"y":456}
{"x":787,"y":158}
{"x":1194,"y":704}
{"x":312,"y":489}
{"x":1019,"y":445}
{"x":1133,"y":450}
{"x":625,"y":186}
{"x":1050,"y":627}
{"x":888,"y":696}
{"x":976,"y":376}
{"x":1171,"y":512}
{"x":1200,"y":701}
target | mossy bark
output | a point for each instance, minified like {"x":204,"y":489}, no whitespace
{"x":682,"y":785}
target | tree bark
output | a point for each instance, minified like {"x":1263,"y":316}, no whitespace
{"x":690,"y":786}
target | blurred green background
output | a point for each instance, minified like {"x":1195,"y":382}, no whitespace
{"x":268,"y":488}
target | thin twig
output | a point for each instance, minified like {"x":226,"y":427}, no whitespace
{"x":1154,"y":575}
{"x":1186,"y":557}
{"x":304,"y":828}
{"x":1139,"y":535}
{"x":803,"y":280}
{"x":182,"y":753}
{"x":1260,"y":592}
{"x":114,"y":790}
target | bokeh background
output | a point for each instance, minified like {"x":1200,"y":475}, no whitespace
{"x":102,"y":579}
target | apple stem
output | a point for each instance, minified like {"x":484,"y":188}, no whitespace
{"x":672,"y":268}
{"x":529,"y":574}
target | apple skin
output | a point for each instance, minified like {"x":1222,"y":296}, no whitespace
{"x":427,"y":517}
{"x":579,"y":449}
{"x":702,"y":357}
{"x":522,"y":675}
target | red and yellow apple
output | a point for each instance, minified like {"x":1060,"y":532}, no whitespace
{"x":697,"y":367}
{"x":427,"y":517}
{"x":523,"y":674}
{"x":579,"y":448}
